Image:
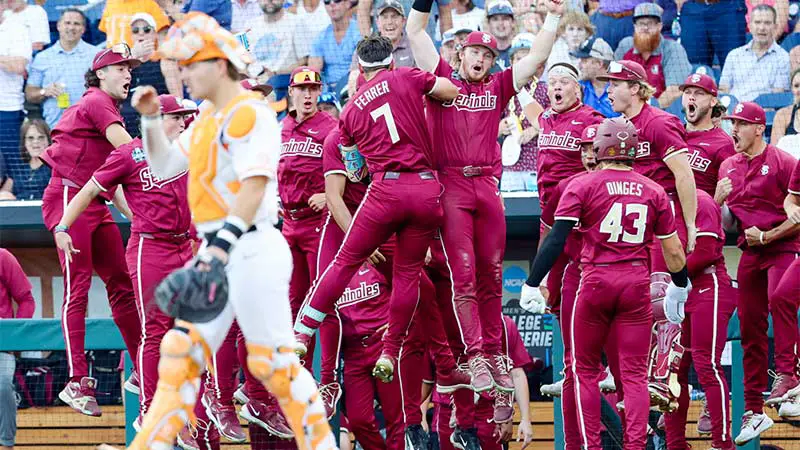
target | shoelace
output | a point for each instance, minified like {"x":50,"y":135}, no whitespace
{"x":326,"y":392}
{"x":504,"y":363}
{"x":478,"y":364}
{"x":778,"y":378}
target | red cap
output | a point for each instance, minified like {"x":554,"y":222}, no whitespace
{"x":748,"y":112}
{"x":172,"y":105}
{"x":701,"y":81}
{"x":305,"y":75}
{"x":116,"y":54}
{"x":588,"y":134}
{"x":483,"y":39}
{"x":253,"y":85}
{"x":625,"y":71}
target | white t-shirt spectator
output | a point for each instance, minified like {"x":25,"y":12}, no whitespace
{"x":14,"y":42}
{"x":749,"y":76}
{"x":278,"y":45}
{"x":35,"y":19}
{"x":313,"y":21}
{"x":245,"y":16}
{"x":473,"y":20}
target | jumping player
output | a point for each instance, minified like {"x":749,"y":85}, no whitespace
{"x":619,"y":211}
{"x":231,"y":152}
{"x":469,"y":162}
{"x":759,"y":174}
{"x":82,"y":139}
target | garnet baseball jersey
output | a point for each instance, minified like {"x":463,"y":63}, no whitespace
{"x":559,"y":146}
{"x":300,"y":166}
{"x":760,"y":185}
{"x":661,"y":136}
{"x":158,"y":206}
{"x":707,"y":150}
{"x":464,"y":130}
{"x":794,"y":182}
{"x":515,"y":347}
{"x":79,"y":139}
{"x":332,"y":163}
{"x":709,"y":224}
{"x":386,"y":120}
{"x":619,"y":212}
{"x":573,"y":246}
{"x":364,"y":305}
{"x":14,"y":287}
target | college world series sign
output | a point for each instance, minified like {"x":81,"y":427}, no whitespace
{"x":536,"y":329}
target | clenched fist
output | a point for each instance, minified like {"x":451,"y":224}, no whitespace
{"x":724,"y":188}
{"x":145,"y":101}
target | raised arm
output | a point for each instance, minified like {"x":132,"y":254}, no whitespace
{"x":164,"y":159}
{"x":422,"y":47}
{"x":444,"y":90}
{"x":687,"y":194}
{"x":540,"y":50}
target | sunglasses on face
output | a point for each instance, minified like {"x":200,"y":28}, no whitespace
{"x":328,"y":2}
{"x":307,"y":76}
{"x":146,"y":29}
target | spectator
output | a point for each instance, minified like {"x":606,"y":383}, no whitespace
{"x":794,"y":58}
{"x":500,"y":15}
{"x":15,"y":54}
{"x":530,"y":15}
{"x":116,"y":20}
{"x":334,"y":47}
{"x":613,"y":20}
{"x":664,"y":61}
{"x":466,"y":15}
{"x":711,"y":30}
{"x":245,"y":15}
{"x":595,"y":55}
{"x":35,"y":19}
{"x":314,"y":16}
{"x":329,"y":103}
{"x":14,"y":287}
{"x":439,"y":21}
{"x":33,"y":176}
{"x":787,"y":121}
{"x":220,"y":10}
{"x":573,"y":30}
{"x":782,"y":18}
{"x":55,"y":78}
{"x":760,"y":66}
{"x":451,"y":39}
{"x":277,"y":42}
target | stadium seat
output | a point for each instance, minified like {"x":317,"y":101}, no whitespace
{"x":704,"y":70}
{"x":790,"y":41}
{"x":729,"y":101}
{"x":774,"y":101}
{"x":676,"y":109}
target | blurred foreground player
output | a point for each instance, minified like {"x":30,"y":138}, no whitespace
{"x":759,"y":175}
{"x":83,"y":138}
{"x":620,"y":212}
{"x":231,"y":152}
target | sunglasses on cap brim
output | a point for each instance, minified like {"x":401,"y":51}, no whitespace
{"x":306,"y":76}
{"x":615,"y":67}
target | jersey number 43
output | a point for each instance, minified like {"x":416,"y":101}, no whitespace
{"x":613,"y":226}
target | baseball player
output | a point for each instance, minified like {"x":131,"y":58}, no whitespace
{"x":759,"y":175}
{"x":82,"y":139}
{"x":469,"y":165}
{"x":231,"y":153}
{"x":385,"y":121}
{"x":708,"y":145}
{"x":619,"y":211}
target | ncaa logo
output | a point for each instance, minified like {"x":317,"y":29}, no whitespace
{"x":513,"y":279}
{"x":486,"y":38}
{"x":695,"y":78}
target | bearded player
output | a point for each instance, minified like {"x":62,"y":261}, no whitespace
{"x":468,"y":161}
{"x":231,"y":152}
{"x":619,"y":212}
{"x":759,"y":174}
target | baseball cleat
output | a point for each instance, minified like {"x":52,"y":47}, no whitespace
{"x":240,"y":396}
{"x":552,"y":390}
{"x":137,"y":424}
{"x":790,"y":409}
{"x":269,"y":418}
{"x":132,"y":383}
{"x":784,"y":386}
{"x":608,"y":385}
{"x":465,"y":439}
{"x":704,"y":425}
{"x":330,"y":394}
{"x":661,"y":397}
{"x":503,"y":407}
{"x":384,"y":369}
{"x":480,"y":375}
{"x":499,"y":367}
{"x":80,"y":396}
{"x":303,"y":342}
{"x":416,"y":438}
{"x":223,"y":417}
{"x":186,"y":440}
{"x":752,"y":426}
{"x":453,"y":380}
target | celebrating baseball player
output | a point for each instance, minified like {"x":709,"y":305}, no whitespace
{"x":620,"y":212}
{"x":243,"y":269}
{"x":82,"y":139}
{"x":759,"y":174}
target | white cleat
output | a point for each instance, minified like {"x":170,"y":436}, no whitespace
{"x":552,"y":390}
{"x":790,"y":409}
{"x":752,"y":427}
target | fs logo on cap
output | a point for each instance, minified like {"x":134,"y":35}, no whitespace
{"x":591,"y":132}
{"x":695,"y":78}
{"x":486,"y":38}
{"x":739,"y":108}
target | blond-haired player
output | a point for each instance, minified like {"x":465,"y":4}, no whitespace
{"x":231,"y":152}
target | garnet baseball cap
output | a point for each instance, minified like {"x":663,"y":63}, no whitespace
{"x":624,"y":70}
{"x":748,"y":112}
{"x":116,"y":54}
{"x":594,"y":47}
{"x":172,"y":105}
{"x":305,"y":75}
{"x":701,"y":81}
{"x":482,"y":39}
{"x":252,"y":84}
{"x":500,"y":7}
{"x":588,"y":134}
{"x":648,"y":10}
{"x":391,"y":4}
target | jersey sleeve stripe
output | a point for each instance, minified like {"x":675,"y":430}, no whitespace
{"x":100,"y":186}
{"x":547,"y":225}
{"x":708,"y":233}
{"x":257,"y":172}
{"x":676,"y":152}
{"x":571,"y":219}
{"x":336,"y":172}
{"x":666,"y":236}
{"x":794,"y":192}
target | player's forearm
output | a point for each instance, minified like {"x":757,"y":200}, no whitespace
{"x":121,"y":203}
{"x":521,"y":393}
{"x":164,"y":162}
{"x":339,"y":212}
{"x":791,"y":204}
{"x":702,"y":256}
{"x":421,"y":44}
{"x":687,"y":194}
{"x":249,"y":198}
{"x":79,"y":203}
{"x":785,"y":230}
{"x":540,"y":50}
{"x":673,"y":253}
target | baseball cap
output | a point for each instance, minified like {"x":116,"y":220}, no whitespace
{"x":520,"y":42}
{"x":500,"y":7}
{"x":624,"y":70}
{"x":701,"y":81}
{"x":588,"y":134}
{"x":172,"y":105}
{"x":305,"y":75}
{"x":594,"y":47}
{"x":648,"y":10}
{"x":199,"y":37}
{"x":251,"y":84}
{"x":391,"y":4}
{"x":748,"y":112}
{"x":148,"y":19}
{"x":116,"y":54}
{"x":450,"y":35}
{"x":482,"y":39}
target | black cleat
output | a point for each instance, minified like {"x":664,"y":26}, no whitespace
{"x":416,"y":438}
{"x":465,"y":439}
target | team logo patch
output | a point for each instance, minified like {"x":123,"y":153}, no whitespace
{"x":654,"y":69}
{"x":486,"y":38}
{"x":138,"y":155}
{"x":591,"y":132}
{"x":764,"y":169}
{"x":739,"y":108}
{"x":695,"y":78}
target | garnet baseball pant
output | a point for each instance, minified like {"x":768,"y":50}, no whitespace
{"x":705,"y":331}
{"x":150,"y":260}
{"x":97,"y":237}
{"x":474,"y":238}
{"x":759,"y":275}
{"x":612,"y":296}
{"x":484,"y":410}
{"x":302,"y":235}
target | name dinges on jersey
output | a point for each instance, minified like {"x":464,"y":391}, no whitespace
{"x":624,"y":188}
{"x":484,"y":102}
{"x":363,"y":292}
{"x":371,"y":94}
{"x":305,"y":147}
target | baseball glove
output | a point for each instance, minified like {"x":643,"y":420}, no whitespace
{"x":197,"y":293}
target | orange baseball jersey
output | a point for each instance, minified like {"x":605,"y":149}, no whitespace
{"x":116,"y":20}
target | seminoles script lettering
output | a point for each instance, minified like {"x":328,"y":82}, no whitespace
{"x":363,"y":292}
{"x":564,"y":141}
{"x":306,"y":147}
{"x":643,"y":149}
{"x":699,"y":163}
{"x":473,"y":102}
{"x":150,"y":181}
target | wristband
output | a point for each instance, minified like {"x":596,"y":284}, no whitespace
{"x":680,"y":278}
{"x":60,"y":229}
{"x":524,"y":97}
{"x":761,"y":237}
{"x":230,"y":232}
{"x":423,"y":6}
{"x":551,"y":22}
{"x":151,"y":121}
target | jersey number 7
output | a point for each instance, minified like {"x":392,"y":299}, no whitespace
{"x":612,"y":223}
{"x":386,"y":111}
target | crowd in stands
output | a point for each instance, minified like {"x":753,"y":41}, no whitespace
{"x":751,"y":47}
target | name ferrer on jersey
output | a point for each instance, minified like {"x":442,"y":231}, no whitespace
{"x":472,"y":102}
{"x":363,"y":292}
{"x":305,"y":147}
{"x":624,"y":188}
{"x":371,"y":94}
